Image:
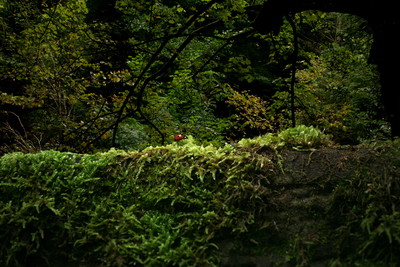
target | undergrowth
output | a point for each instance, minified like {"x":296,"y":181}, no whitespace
{"x":171,"y":205}
{"x":163,"y":206}
{"x":365,"y":211}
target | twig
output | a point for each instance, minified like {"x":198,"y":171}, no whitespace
{"x":153,"y":59}
{"x":293,"y":69}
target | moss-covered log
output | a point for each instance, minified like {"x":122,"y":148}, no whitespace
{"x":189,"y":205}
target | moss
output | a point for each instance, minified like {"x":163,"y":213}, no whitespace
{"x":191,"y":205}
{"x":160,"y":206}
{"x":300,"y":137}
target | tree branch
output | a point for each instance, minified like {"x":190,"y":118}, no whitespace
{"x":120,"y":116}
{"x":293,"y":69}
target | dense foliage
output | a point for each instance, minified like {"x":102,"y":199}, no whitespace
{"x":173,"y":205}
{"x":164,"y":206}
{"x":87,"y":75}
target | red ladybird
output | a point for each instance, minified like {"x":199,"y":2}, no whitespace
{"x":179,"y":137}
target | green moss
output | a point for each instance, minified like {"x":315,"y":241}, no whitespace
{"x":177,"y":204}
{"x":298,"y":137}
{"x":160,"y":206}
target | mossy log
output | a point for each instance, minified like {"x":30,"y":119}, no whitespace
{"x":191,"y":205}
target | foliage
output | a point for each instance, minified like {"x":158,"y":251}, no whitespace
{"x":132,"y":135}
{"x":342,"y":100}
{"x":172,"y":205}
{"x":83,"y":75}
{"x":298,"y":137}
{"x":162,"y":206}
{"x":367,"y":212}
{"x":44,"y":70}
{"x":304,"y":136}
{"x":344,"y":107}
{"x":251,"y":113}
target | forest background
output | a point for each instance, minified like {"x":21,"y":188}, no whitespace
{"x":87,"y":75}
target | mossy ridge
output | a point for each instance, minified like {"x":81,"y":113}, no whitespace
{"x":299,"y":137}
{"x":104,"y":208}
{"x":165,"y":205}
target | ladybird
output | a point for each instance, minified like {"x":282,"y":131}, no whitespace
{"x":179,"y":137}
